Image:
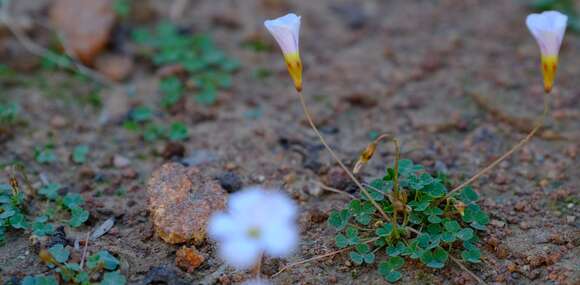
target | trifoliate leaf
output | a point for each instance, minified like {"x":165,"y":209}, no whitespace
{"x":113,"y":278}
{"x":59,"y":252}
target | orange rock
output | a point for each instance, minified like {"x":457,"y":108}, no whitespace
{"x":85,"y":25}
{"x":188,"y":259}
{"x":181,"y":201}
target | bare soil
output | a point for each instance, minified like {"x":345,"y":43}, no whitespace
{"x":406,"y":67}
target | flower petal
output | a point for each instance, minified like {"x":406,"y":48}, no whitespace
{"x":241,"y":253}
{"x":548,"y":28}
{"x":286,"y":31}
{"x":221,"y":226}
{"x":280,"y":239}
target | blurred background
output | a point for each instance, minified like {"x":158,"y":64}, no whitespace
{"x":96,"y":94}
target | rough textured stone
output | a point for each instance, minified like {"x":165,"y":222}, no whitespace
{"x":84,"y":24}
{"x":188,"y":259}
{"x":181,"y":201}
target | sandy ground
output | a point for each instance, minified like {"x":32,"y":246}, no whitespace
{"x":407,"y":67}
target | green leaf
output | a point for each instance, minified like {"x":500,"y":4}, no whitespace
{"x":436,"y":258}
{"x":103,"y":258}
{"x":113,"y":278}
{"x":178,"y":132}
{"x":42,"y":229}
{"x":393,"y":276}
{"x":73,"y":200}
{"x":352,"y":236}
{"x":356,"y":257}
{"x":395,"y":262}
{"x":436,"y":190}
{"x":407,"y":167}
{"x":18,"y":221}
{"x":78,"y":217}
{"x":7,"y":214}
{"x":448,"y":237}
{"x":385,"y":230}
{"x":389,"y":268}
{"x":172,"y":89}
{"x":79,"y":155}
{"x":452,"y":226}
{"x":59,"y":252}
{"x":434,"y":219}
{"x":82,"y":278}
{"x":50,"y":190}
{"x":467,"y":195}
{"x":472,"y":255}
{"x":339,"y":219}
{"x":465,"y":234}
{"x":39,"y":280}
{"x":362,"y":211}
{"x":362,"y":254}
{"x":45,"y":155}
{"x":395,"y":250}
{"x":341,"y":241}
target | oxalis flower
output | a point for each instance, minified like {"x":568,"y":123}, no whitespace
{"x":286,"y":31}
{"x":257,"y":221}
{"x":548,"y":29}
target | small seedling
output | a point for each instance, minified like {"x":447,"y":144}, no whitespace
{"x":99,"y":266}
{"x":141,"y":120}
{"x":79,"y":154}
{"x":11,"y":210}
{"x":206,"y":67}
{"x":45,"y":154}
{"x":424,"y":224}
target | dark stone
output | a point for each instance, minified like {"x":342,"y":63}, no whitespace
{"x":230,"y":181}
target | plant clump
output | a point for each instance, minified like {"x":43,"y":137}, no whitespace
{"x":207,"y":68}
{"x":425,"y":224}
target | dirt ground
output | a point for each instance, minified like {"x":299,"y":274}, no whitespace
{"x":413,"y":68}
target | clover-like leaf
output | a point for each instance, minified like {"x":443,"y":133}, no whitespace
{"x":407,"y":167}
{"x":385,"y":230}
{"x":362,"y":211}
{"x":59,"y":252}
{"x":339,"y":219}
{"x":465,"y":234}
{"x":103,"y":258}
{"x":395,"y":250}
{"x":471,"y":255}
{"x":341,"y":241}
{"x":78,"y":217}
{"x":356,"y":257}
{"x":435,"y":258}
{"x":452,"y":226}
{"x":113,"y":278}
{"x":73,"y":200}
{"x":50,"y":190}
{"x":389,"y":268}
{"x":434,"y":219}
{"x":448,"y":237}
{"x":436,"y":190}
{"x":79,"y":154}
{"x":18,"y":221}
{"x":467,"y":195}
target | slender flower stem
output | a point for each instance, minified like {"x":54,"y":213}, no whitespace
{"x":539,"y":123}
{"x":323,"y":141}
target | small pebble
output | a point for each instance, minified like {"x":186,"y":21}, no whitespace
{"x":230,"y":181}
{"x":120,"y":161}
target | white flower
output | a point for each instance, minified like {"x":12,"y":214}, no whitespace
{"x":257,"y":221}
{"x":286,"y":31}
{"x":548,"y":28}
